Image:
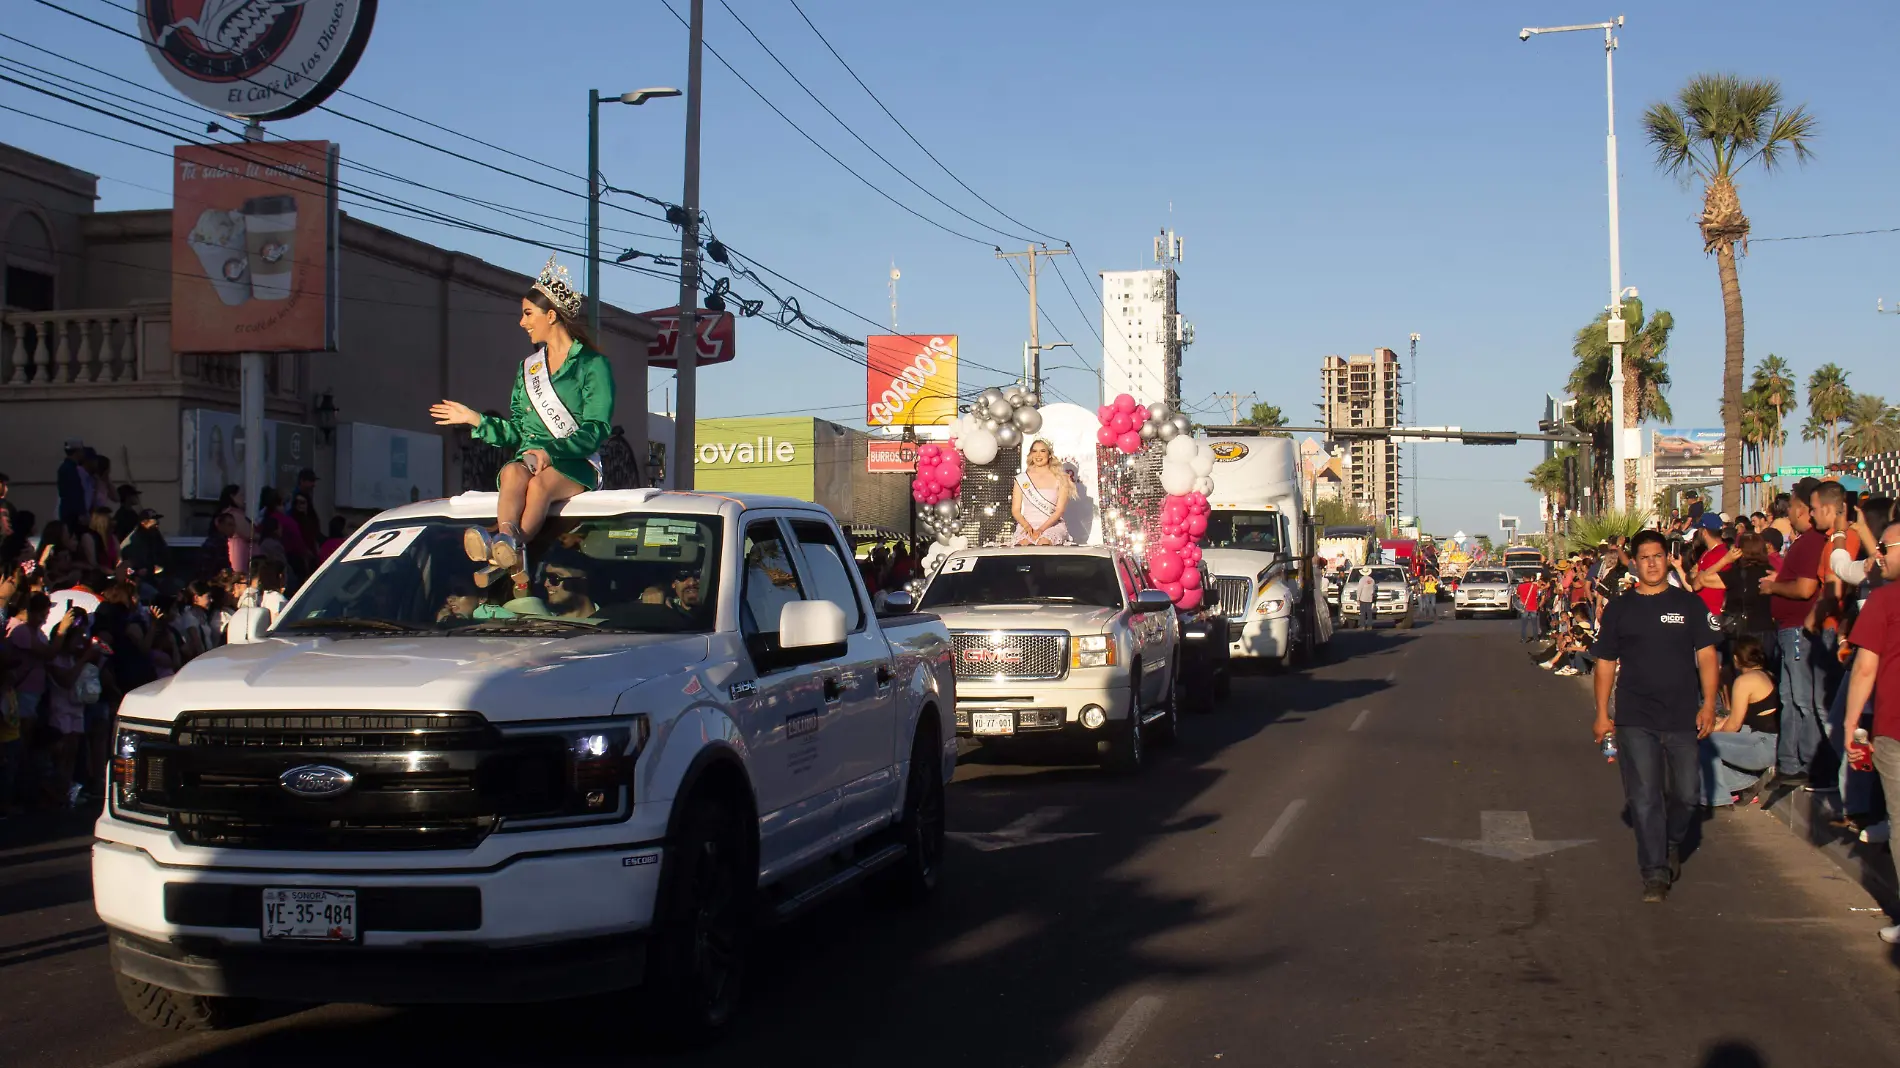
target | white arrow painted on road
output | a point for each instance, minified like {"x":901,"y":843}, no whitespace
{"x":1507,"y":836}
{"x":1026,"y":830}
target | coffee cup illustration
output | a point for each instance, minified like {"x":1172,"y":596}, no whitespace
{"x":270,"y":231}
{"x":219,"y":241}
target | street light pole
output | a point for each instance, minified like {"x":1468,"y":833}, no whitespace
{"x":1619,"y":478}
{"x":687,"y":351}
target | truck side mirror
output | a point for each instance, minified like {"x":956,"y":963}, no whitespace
{"x":895,"y":603}
{"x":247,"y":626}
{"x":1151,"y":600}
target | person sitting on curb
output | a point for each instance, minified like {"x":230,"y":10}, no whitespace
{"x":1742,"y":747}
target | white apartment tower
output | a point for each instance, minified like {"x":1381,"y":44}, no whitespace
{"x":1143,"y":332}
{"x":1363,"y":391}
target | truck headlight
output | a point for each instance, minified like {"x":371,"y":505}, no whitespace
{"x":1093,"y":650}
{"x":1270,"y":606}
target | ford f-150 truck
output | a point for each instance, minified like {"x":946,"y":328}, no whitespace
{"x":411,"y":789}
{"x":1060,"y":643}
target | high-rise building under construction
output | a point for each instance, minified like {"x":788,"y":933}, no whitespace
{"x":1363,"y":391}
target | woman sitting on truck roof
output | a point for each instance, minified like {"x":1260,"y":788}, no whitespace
{"x":1040,"y":497}
{"x":561,"y":411}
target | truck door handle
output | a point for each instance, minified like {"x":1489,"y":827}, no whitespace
{"x":883,"y":675}
{"x":832,"y":690}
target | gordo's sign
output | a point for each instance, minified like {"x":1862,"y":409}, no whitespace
{"x":912,"y":380}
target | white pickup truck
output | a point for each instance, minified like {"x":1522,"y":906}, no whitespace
{"x":1063,"y":644}
{"x":406,"y":791}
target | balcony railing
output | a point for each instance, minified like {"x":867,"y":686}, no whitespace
{"x":79,"y":345}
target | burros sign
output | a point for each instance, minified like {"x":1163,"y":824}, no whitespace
{"x":912,"y":380}
{"x":256,"y":59}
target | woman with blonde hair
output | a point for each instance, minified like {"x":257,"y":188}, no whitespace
{"x":1040,"y":497}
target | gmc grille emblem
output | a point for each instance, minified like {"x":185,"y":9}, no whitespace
{"x":992,"y":656}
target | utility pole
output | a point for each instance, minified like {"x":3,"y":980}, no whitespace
{"x":1233,"y":402}
{"x":1418,"y":497}
{"x":1035,"y":345}
{"x":895,"y":275}
{"x":681,"y":461}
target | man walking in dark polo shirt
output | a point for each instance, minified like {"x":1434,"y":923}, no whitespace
{"x":1657,"y":643}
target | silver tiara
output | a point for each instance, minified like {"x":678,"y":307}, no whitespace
{"x":556,"y":285}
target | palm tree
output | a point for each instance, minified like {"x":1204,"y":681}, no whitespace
{"x":1871,"y":427}
{"x":1774,"y":383}
{"x":1547,"y":478}
{"x":1719,"y":124}
{"x":1828,"y":398}
{"x":1758,"y":431}
{"x":1645,"y":378}
{"x":1818,"y":432}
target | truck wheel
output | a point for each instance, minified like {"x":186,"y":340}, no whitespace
{"x":165,"y":1009}
{"x":919,"y":828}
{"x":696,"y":959}
{"x":1125,"y":752}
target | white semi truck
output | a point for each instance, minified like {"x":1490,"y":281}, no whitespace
{"x":1259,"y":547}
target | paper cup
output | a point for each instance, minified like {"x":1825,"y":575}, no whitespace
{"x":270,"y":232}
{"x":218,"y":239}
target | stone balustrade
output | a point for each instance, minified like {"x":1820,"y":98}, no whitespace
{"x":72,"y":346}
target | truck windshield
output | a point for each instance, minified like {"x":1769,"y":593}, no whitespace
{"x":1259,"y":531}
{"x":637,"y":573}
{"x":1024,"y":579}
{"x":1382,"y":574}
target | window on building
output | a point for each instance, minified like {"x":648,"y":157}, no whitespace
{"x":30,"y":273}
{"x":28,"y":289}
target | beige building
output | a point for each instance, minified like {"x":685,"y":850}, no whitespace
{"x":85,"y":352}
{"x":1363,"y":391}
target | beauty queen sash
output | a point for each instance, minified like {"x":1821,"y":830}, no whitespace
{"x":547,"y":403}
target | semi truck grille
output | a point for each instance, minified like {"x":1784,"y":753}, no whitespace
{"x":417,"y":781}
{"x":1235,"y":593}
{"x":1010,"y":654}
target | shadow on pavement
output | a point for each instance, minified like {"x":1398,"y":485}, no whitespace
{"x":1732,"y":1055}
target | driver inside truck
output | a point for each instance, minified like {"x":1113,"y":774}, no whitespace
{"x":568,"y":587}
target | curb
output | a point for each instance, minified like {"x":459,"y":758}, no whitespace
{"x":1806,"y":815}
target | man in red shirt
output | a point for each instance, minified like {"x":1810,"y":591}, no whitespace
{"x":1527,"y":609}
{"x":1709,"y":562}
{"x":1876,"y":635}
{"x":1793,"y":591}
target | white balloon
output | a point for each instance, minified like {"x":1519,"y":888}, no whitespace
{"x":1181,"y":448}
{"x":1176,"y":479}
{"x":1203,"y":462}
{"x":1028,"y":420}
{"x":980,"y":447}
{"x":1204,"y":484}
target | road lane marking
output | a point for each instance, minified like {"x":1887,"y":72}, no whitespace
{"x":1120,"y":1040}
{"x":1507,"y":836}
{"x":1390,"y":675}
{"x":1360,"y":720}
{"x":1278,"y":830}
{"x":1025,"y":830}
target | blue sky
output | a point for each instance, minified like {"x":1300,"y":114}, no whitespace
{"x":1344,"y":175}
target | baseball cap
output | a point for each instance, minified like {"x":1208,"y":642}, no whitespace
{"x":75,"y":443}
{"x":147,"y":513}
{"x":1710,"y":521}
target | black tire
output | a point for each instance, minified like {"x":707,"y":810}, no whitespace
{"x":1167,"y":728}
{"x":1125,"y":750}
{"x":164,"y":1009}
{"x":920,"y":829}
{"x":703,"y":924}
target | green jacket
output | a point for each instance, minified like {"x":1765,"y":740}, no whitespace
{"x":585,"y":384}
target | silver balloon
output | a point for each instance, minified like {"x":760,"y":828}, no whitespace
{"x":1007,"y":435}
{"x":1158,"y":411}
{"x":946,"y":509}
{"x":1151,"y":430}
{"x":943,"y":538}
{"x":1015,"y":396}
{"x":992,"y":424}
{"x":1182,"y":424}
{"x":1033,"y":400}
{"x":1167,"y":431}
{"x":1028,"y":420}
{"x":984,"y":398}
{"x":1000,"y":408}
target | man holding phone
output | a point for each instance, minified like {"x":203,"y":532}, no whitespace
{"x":1656,"y":649}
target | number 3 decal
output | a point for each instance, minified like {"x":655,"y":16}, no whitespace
{"x":961,"y":563}
{"x":382,"y":544}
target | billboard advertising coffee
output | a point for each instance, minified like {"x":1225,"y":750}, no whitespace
{"x":256,"y":59}
{"x":254,"y":238}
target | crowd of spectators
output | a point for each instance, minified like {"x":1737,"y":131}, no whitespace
{"x":98,"y":603}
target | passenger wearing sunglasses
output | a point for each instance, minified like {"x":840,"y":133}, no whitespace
{"x":569,"y":592}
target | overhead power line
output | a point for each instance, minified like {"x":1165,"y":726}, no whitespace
{"x":913,"y":137}
{"x":1817,"y":237}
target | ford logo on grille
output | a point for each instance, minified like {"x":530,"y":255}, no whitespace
{"x":316,"y":780}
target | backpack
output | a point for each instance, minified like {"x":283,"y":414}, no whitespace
{"x":89,"y":686}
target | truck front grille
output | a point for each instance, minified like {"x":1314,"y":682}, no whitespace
{"x":420,"y":781}
{"x":1235,"y":594}
{"x":1011,"y":654}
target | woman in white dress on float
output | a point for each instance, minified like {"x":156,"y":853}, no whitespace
{"x":1040,"y":497}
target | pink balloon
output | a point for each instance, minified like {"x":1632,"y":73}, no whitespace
{"x":1197,"y":499}
{"x":1190,"y":577}
{"x":1124,"y":403}
{"x":1174,"y":541}
{"x":1105,"y":413}
{"x":929,"y":452}
{"x":1197,"y":526}
{"x":1173,"y":589}
{"x":1106,"y":435}
{"x":1121,"y":423}
{"x":1191,"y":553}
{"x":1189,"y":600}
{"x":1164,"y":566}
{"x":1129,"y":442}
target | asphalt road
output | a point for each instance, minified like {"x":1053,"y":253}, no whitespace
{"x":1267,"y":892}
